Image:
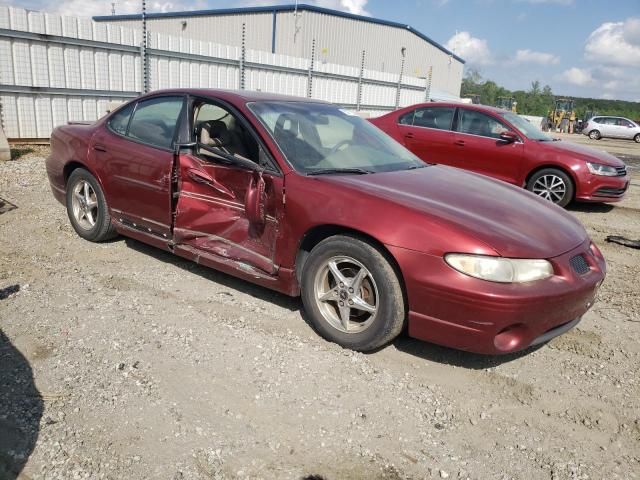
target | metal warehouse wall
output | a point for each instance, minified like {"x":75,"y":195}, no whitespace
{"x":77,"y":67}
{"x":338,"y":40}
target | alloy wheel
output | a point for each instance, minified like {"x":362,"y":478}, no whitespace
{"x":84,"y":203}
{"x":346,"y":294}
{"x":550,"y":187}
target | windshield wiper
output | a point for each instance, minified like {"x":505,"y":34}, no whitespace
{"x":331,"y":171}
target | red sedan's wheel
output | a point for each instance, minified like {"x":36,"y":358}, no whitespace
{"x":352,"y":294}
{"x":87,"y":207}
{"x":553,"y":185}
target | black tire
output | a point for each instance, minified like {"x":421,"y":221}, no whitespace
{"x":595,"y":135}
{"x":569,"y":189}
{"x":389,"y":317}
{"x":637,"y":138}
{"x":103,"y":229}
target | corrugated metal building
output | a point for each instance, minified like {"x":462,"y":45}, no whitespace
{"x":339,"y":38}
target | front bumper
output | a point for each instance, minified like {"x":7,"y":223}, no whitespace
{"x":596,"y":188}
{"x":455,"y":310}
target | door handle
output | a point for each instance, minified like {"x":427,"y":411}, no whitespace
{"x":408,"y":135}
{"x":99,"y":148}
{"x":201,"y":177}
{"x":459,"y":143}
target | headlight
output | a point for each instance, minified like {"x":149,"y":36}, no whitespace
{"x":499,"y":269}
{"x":599,"y":169}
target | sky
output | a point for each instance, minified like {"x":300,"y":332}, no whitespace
{"x":587,"y":48}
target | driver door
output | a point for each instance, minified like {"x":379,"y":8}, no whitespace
{"x":213,"y":187}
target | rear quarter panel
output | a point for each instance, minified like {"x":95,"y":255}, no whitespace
{"x":69,"y":145}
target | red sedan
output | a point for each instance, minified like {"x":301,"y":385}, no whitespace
{"x":306,"y":199}
{"x":503,"y":145}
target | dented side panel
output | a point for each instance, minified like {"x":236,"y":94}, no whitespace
{"x":210,"y":213}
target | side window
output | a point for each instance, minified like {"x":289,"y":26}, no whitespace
{"x":217,"y":129}
{"x":155,"y":120}
{"x":434,"y":117}
{"x":119,"y":121}
{"x":478,"y":123}
{"x":624,"y":123}
{"x":407,"y":118}
{"x":610,"y":121}
{"x":597,"y":120}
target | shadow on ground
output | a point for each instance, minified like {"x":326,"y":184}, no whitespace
{"x":591,"y":207}
{"x":261,"y":293}
{"x":427,"y":351}
{"x":21,"y":408}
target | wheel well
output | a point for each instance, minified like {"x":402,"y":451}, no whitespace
{"x":317,"y":234}
{"x":69,"y":168}
{"x":555,"y":167}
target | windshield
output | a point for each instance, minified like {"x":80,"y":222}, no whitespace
{"x":564,"y":105}
{"x":317,"y":138}
{"x":525,"y":127}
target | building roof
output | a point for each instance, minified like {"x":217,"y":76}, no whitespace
{"x":276,"y":9}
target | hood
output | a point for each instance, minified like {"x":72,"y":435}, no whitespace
{"x":512,"y":221}
{"x":581,"y":152}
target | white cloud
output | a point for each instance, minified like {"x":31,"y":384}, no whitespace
{"x":541,"y":58}
{"x":474,"y":50}
{"x":615,"y":43}
{"x":577,"y":76}
{"x":86,"y":8}
{"x":357,"y":7}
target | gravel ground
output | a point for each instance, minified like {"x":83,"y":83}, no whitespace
{"x":120,"y":361}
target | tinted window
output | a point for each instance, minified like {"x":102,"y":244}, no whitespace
{"x":597,"y":120}
{"x":120,"y":120}
{"x":478,"y":123}
{"x":624,"y":123}
{"x":433,"y":117}
{"x":154,"y":121}
{"x":407,"y":118}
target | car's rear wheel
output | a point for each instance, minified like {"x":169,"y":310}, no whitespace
{"x":87,"y":207}
{"x":553,"y":185}
{"x":352,"y":294}
{"x":594,"y":135}
{"x":637,"y":138}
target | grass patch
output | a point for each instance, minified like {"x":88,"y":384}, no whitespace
{"x":16,"y":153}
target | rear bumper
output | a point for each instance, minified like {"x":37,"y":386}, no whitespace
{"x":455,"y":310}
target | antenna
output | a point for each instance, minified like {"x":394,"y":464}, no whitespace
{"x":113,"y":8}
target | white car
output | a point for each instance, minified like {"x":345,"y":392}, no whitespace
{"x":612,"y":127}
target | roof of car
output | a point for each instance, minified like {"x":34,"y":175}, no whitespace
{"x":243,"y":96}
{"x":460,"y":104}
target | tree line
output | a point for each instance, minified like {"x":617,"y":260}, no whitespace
{"x":538,"y":100}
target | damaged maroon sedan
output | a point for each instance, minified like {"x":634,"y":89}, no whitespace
{"x":304,"y":198}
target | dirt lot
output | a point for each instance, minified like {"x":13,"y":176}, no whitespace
{"x":119,"y":361}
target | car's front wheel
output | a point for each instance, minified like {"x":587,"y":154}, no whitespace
{"x":594,"y":135}
{"x":87,"y":207}
{"x":553,"y":185}
{"x":352,"y":294}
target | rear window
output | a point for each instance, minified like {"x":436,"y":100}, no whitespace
{"x":439,"y":118}
{"x":154,"y":121}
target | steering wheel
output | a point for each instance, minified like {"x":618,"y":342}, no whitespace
{"x":338,"y":146}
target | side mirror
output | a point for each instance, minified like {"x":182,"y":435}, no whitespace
{"x":508,"y":137}
{"x":254,"y":200}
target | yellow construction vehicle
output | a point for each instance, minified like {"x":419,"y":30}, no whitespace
{"x":507,"y":103}
{"x":562,"y":110}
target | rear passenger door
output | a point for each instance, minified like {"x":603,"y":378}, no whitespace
{"x":426,"y":131}
{"x":135,"y":153}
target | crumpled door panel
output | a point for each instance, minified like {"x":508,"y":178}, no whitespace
{"x":210,"y":213}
